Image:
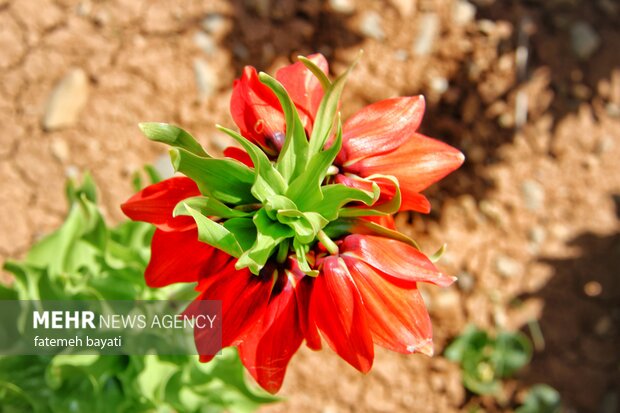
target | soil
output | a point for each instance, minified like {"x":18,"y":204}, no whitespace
{"x":531,"y":220}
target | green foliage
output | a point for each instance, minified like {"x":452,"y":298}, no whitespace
{"x":86,"y":259}
{"x":541,"y":399}
{"x":486,"y":360}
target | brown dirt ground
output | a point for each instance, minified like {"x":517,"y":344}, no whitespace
{"x":531,"y":219}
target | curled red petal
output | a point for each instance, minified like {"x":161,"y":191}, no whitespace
{"x":155,"y":203}
{"x":397,"y":316}
{"x":178,"y":256}
{"x":386,"y":221}
{"x":394,"y":258}
{"x":256,"y":111}
{"x":244,"y":297}
{"x":271,"y":343}
{"x":417,"y":163}
{"x":337,"y":309}
{"x":303,"y":87}
{"x":240,"y":155}
{"x":380,"y":127}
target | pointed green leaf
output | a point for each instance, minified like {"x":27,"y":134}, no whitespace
{"x":173,"y":136}
{"x":345,"y":226}
{"x":268,"y":181}
{"x":208,"y":206}
{"x":386,"y":208}
{"x":306,"y":188}
{"x":326,"y":115}
{"x":214,"y":234}
{"x":294,"y":154}
{"x":227,"y":180}
{"x":335,"y":196}
{"x":316,"y":71}
{"x":244,"y":231}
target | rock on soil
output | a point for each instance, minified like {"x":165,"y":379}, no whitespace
{"x":66,"y":101}
{"x":585,"y":41}
{"x":427,"y":34}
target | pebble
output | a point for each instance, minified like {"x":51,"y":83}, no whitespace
{"x":405,"y":7}
{"x":401,"y":55}
{"x":585,"y":41}
{"x":342,"y":6}
{"x":533,"y":195}
{"x":60,"y":149}
{"x":427,"y":34}
{"x":205,"y":42}
{"x":537,"y":235}
{"x":465,"y":281}
{"x":206,"y":79}
{"x":463,"y":12}
{"x":507,"y":267}
{"x":439,"y":84}
{"x":370,"y":26}
{"x":215,"y":24}
{"x":66,"y":101}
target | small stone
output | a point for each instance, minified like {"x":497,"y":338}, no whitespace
{"x":66,"y":101}
{"x":342,"y":6}
{"x":370,"y":26}
{"x":593,"y":288}
{"x":507,"y":267}
{"x":585,"y":41}
{"x":533,"y":195}
{"x":60,"y":149}
{"x":463,"y":12}
{"x":465,"y":281}
{"x":405,"y":7}
{"x":164,"y":167}
{"x":537,"y":235}
{"x":427,"y":34}
{"x":401,"y":55}
{"x":603,"y":326}
{"x":439,"y":84}
{"x":205,"y":42}
{"x":216,"y":25}
{"x":206,"y":79}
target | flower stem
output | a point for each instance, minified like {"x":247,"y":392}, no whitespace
{"x":327,"y":242}
{"x":282,"y":252}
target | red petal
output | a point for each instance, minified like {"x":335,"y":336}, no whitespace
{"x":303,"y":292}
{"x":155,"y":203}
{"x":178,"y":256}
{"x":380,"y":127}
{"x":417,"y":163}
{"x":244,"y":298}
{"x":337,"y":309}
{"x":240,"y":155}
{"x":303,"y":87}
{"x":274,"y":339}
{"x":397,"y":316}
{"x":256,"y":110}
{"x":394,"y":258}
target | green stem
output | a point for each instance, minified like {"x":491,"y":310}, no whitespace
{"x":282,"y":251}
{"x":327,"y":243}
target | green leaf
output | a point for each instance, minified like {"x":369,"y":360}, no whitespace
{"x":227,"y":180}
{"x":215,"y":234}
{"x":541,"y":399}
{"x":208,"y":206}
{"x":294,"y":154}
{"x":269,"y":235}
{"x":244,"y":230}
{"x":306,"y":188}
{"x":335,"y":196}
{"x":386,"y":208}
{"x":173,"y":136}
{"x":326,"y":115}
{"x":268,"y":181}
{"x":512,"y":352}
{"x":316,"y":71}
{"x":344,"y":226}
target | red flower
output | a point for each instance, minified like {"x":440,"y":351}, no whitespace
{"x":380,"y":139}
{"x":365,"y":295}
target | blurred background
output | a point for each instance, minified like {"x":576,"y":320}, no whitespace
{"x":528,"y":90}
